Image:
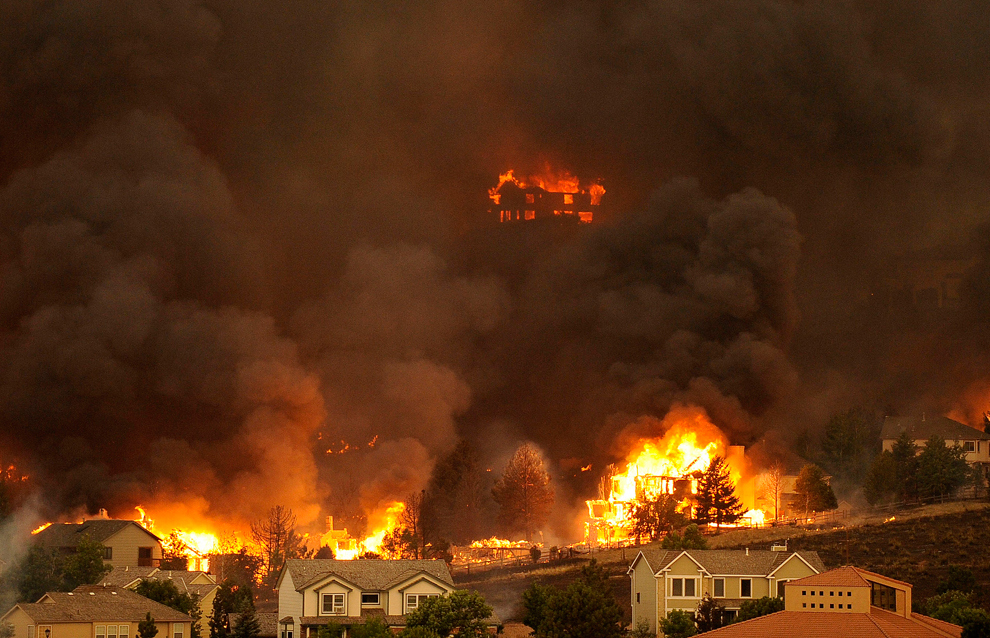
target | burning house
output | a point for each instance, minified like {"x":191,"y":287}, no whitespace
{"x":669,"y":464}
{"x":559,"y":197}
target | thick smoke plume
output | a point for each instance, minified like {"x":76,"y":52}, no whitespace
{"x":242,"y":262}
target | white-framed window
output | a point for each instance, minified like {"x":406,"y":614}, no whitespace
{"x":177,"y":630}
{"x":30,"y":631}
{"x":745,"y":587}
{"x":101,"y":632}
{"x":969,"y":446}
{"x":372,"y":599}
{"x":333,"y":604}
{"x":683,"y":587}
{"x":413,"y":601}
{"x":718,"y":588}
{"x":287,"y":631}
{"x":111,"y":631}
{"x":123,"y":630}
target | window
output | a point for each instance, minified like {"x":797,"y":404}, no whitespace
{"x":780,"y":588}
{"x":969,"y":446}
{"x":689,"y":586}
{"x":530,"y":214}
{"x":637,"y":597}
{"x":111,"y":631}
{"x":177,"y":630}
{"x":804,"y":592}
{"x":144,"y":557}
{"x":831,"y":593}
{"x":123,"y":630}
{"x":729,"y":615}
{"x":530,"y":198}
{"x":719,"y":587}
{"x":415,"y":600}
{"x":371,"y":599}
{"x":677,"y":587}
{"x":831,"y":606}
{"x":849,"y":593}
{"x":101,"y":632}
{"x":746,"y":588}
{"x":804,"y":604}
{"x":108,"y":553}
{"x":840,"y":594}
{"x":840,"y":605}
{"x":568,"y":198}
{"x":31,"y":631}
{"x":333,"y":604}
{"x":812,"y":593}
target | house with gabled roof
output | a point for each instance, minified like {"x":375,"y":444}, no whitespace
{"x":314,"y":592}
{"x":126,"y":542}
{"x":847,"y":601}
{"x":199,"y":584}
{"x":975,"y":443}
{"x":668,"y":580}
{"x":94,"y":611}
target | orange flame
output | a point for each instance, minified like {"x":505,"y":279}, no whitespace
{"x":554,"y":181}
{"x":41,"y":528}
{"x":382,"y":522}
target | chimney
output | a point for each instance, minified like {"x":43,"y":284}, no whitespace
{"x":747,"y":551}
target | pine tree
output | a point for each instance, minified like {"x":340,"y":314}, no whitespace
{"x":147,"y":628}
{"x":524,"y":493}
{"x":717,"y":502}
{"x":247,"y":626}
{"x":814,"y":491}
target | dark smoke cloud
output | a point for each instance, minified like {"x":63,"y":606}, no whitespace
{"x":234,"y":235}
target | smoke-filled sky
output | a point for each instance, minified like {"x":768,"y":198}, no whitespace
{"x":234,"y":235}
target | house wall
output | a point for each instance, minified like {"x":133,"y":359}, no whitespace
{"x":793,"y":569}
{"x":397,"y":595}
{"x":352,"y":599}
{"x":20,"y":622}
{"x":981,"y":455}
{"x":644,"y":583}
{"x":206,"y":610}
{"x":683,"y":567}
{"x":126,"y":542}
{"x":290,"y":602}
{"x":203,"y":579}
{"x":799,"y":598}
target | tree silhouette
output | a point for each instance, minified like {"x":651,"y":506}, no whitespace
{"x":653,"y":517}
{"x":717,"y":501}
{"x":524,"y":493}
{"x":814,"y":490}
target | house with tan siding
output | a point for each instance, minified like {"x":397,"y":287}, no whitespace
{"x":199,"y":584}
{"x":668,"y":580}
{"x":313,"y":593}
{"x":126,"y":542}
{"x":94,"y":611}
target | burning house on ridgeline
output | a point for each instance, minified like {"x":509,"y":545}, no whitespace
{"x":557,"y":197}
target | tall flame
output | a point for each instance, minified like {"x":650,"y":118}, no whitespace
{"x":555,"y":181}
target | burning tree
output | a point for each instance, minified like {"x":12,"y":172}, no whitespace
{"x":717,"y":501}
{"x":524,"y":493}
{"x":653,"y":517}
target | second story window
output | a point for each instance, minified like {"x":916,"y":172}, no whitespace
{"x":108,"y":553}
{"x":746,"y":588}
{"x":684,"y":587}
{"x":718,"y":588}
{"x":969,"y":446}
{"x":371,"y":600}
{"x":333,"y":604}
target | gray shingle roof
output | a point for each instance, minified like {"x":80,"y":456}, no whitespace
{"x":731,"y":561}
{"x":371,"y":575}
{"x":69,"y":534}
{"x":93,"y":603}
{"x":123,"y":576}
{"x":923,"y":427}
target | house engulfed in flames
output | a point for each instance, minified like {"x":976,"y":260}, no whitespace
{"x":671,"y":464}
{"x":557,"y":196}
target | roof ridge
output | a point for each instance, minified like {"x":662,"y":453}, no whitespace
{"x":876,"y":624}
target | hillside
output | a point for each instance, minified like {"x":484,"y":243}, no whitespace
{"x":917,"y":546}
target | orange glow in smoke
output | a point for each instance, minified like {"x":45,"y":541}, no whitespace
{"x":381,"y":523}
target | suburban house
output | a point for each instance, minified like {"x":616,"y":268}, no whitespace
{"x":94,"y":611}
{"x":312,"y":593}
{"x":200,"y":584}
{"x":975,"y":443}
{"x":126,"y":542}
{"x":843,"y":602}
{"x":665,"y":580}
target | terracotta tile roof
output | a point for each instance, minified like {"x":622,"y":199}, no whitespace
{"x":93,"y":603}
{"x":827,"y":624}
{"x":731,"y":561}
{"x":369,"y":575}
{"x":69,"y":534}
{"x":839,"y":577}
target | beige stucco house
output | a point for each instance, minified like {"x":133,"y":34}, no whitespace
{"x":312,"y":593}
{"x":94,"y":611}
{"x":665,"y":580}
{"x":975,"y":443}
{"x":847,"y":601}
{"x":126,"y":542}
{"x":200,"y":584}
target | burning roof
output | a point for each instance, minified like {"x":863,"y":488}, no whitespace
{"x":551,"y":196}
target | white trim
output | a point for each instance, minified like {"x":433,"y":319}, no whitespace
{"x":678,"y":557}
{"x":810,"y":566}
{"x":750,"y":588}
